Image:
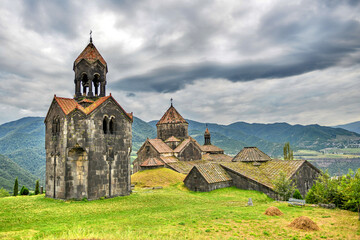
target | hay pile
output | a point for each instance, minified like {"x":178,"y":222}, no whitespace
{"x":304,"y":223}
{"x":273,"y":211}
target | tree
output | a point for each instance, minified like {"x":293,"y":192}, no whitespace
{"x":297,"y":194}
{"x":352,"y":190}
{"x":3,"y":193}
{"x":37,"y":187}
{"x":288,"y":153}
{"x":16,"y":187}
{"x":284,"y":186}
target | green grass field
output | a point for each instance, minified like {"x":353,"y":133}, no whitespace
{"x":169,"y":213}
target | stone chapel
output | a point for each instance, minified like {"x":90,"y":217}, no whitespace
{"x":88,"y":137}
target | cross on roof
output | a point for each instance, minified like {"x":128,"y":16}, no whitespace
{"x":171,"y":101}
{"x":90,"y":36}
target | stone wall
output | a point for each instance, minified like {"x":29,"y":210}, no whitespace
{"x":305,"y":177}
{"x":196,"y":182}
{"x":190,"y":153}
{"x":90,"y":164}
{"x":178,"y":130}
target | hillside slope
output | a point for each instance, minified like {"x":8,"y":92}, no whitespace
{"x":353,"y":127}
{"x":9,"y":170}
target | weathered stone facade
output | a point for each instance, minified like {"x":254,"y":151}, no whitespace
{"x":197,"y":183}
{"x":252,"y":169}
{"x":88,"y":139}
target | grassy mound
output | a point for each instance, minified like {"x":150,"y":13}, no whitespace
{"x":304,"y":223}
{"x":156,"y":177}
{"x":273,"y":211}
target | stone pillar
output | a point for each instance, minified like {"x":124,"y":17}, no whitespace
{"x":77,"y":88}
{"x":102,"y":89}
{"x":90,"y":93}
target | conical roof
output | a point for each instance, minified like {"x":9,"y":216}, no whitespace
{"x":171,"y":116}
{"x":207,"y":132}
{"x":251,"y":154}
{"x":90,"y":54}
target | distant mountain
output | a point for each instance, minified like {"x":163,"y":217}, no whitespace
{"x":353,"y":127}
{"x":9,"y":170}
{"x":270,"y":138}
{"x":22,"y":141}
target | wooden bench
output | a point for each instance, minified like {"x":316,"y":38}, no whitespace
{"x":297,"y":202}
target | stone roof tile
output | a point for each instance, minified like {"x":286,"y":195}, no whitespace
{"x":171,"y":116}
{"x":213,"y":173}
{"x":251,"y":154}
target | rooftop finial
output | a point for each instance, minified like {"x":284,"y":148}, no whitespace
{"x":90,"y":36}
{"x":171,"y":100}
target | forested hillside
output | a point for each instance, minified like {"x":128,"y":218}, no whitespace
{"x":22,"y":141}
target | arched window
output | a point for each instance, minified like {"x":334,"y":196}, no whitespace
{"x":105,"y":125}
{"x":112,"y":126}
{"x":85,"y":83}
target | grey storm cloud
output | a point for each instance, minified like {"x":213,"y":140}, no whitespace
{"x":157,"y":50}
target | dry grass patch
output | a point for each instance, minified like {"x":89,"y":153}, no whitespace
{"x":163,"y":177}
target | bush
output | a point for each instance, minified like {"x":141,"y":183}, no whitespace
{"x":24,"y":191}
{"x":297,"y":194}
{"x":4,"y":193}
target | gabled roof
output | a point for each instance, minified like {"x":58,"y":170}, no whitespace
{"x":184,"y":143}
{"x":68,"y":105}
{"x":160,"y":146}
{"x":151,"y":162}
{"x":172,"y":139}
{"x":211,"y":148}
{"x":251,"y":154}
{"x":212,"y":173}
{"x":90,"y":54}
{"x":171,"y":116}
{"x":266,"y":172}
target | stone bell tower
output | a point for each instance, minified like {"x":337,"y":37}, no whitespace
{"x":88,"y":137}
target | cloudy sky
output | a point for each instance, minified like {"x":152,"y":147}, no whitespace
{"x":221,"y":61}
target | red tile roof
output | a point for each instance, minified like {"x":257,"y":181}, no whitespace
{"x":69,"y":104}
{"x":251,"y":154}
{"x":184,"y":143}
{"x":160,"y":146}
{"x":151,"y":162}
{"x":171,"y":116}
{"x":170,"y":159}
{"x":90,"y":54}
{"x":172,"y":139}
{"x":212,"y":149}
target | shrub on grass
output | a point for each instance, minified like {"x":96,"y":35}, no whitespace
{"x":4,"y":193}
{"x":16,"y":187}
{"x":37,"y":190}
{"x":24,"y":191}
{"x":297,"y":194}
